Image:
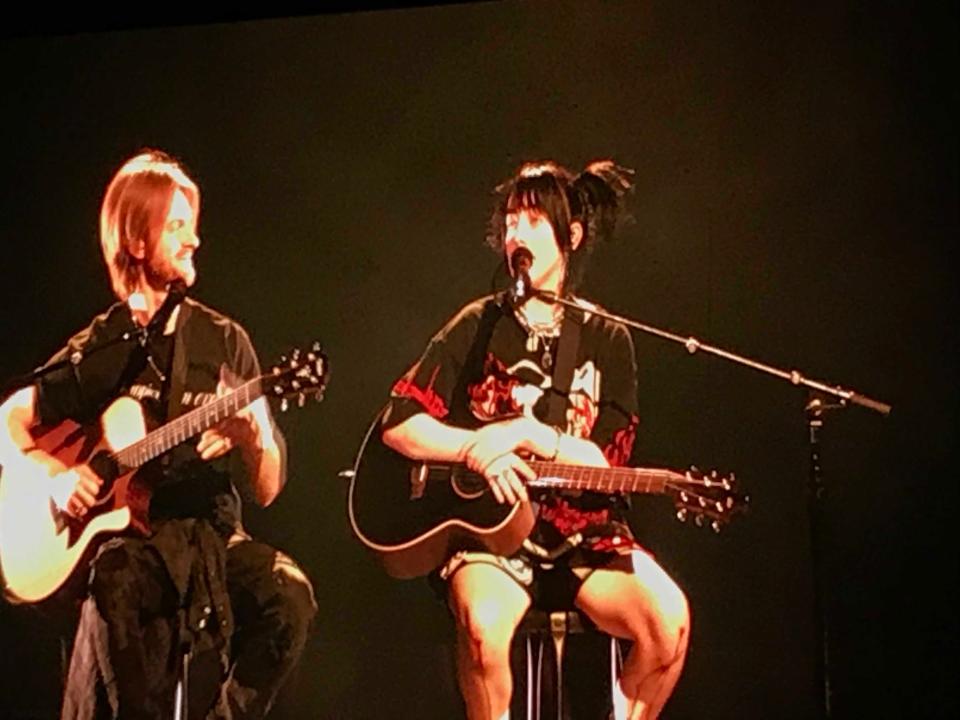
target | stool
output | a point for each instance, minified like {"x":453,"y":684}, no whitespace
{"x":536,"y":628}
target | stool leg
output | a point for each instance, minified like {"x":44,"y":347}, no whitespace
{"x":530,"y":693}
{"x":558,"y":629}
{"x":180,"y":707}
{"x":538,"y":692}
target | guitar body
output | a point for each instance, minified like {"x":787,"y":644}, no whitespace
{"x":415,"y":515}
{"x":40,"y":546}
{"x":412,"y":522}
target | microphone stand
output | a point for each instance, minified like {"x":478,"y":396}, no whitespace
{"x":175,"y":295}
{"x":73,"y":359}
{"x":822,"y":397}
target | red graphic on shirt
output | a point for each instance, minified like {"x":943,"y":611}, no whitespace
{"x":427,"y":396}
{"x":618,"y":450}
{"x":617,"y":544}
{"x":493,"y":397}
{"x":581,"y":415}
{"x":568,"y":519}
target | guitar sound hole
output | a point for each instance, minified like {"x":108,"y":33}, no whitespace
{"x":468,"y":485}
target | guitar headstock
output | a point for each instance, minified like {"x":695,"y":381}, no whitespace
{"x":299,"y":375}
{"x":707,"y":498}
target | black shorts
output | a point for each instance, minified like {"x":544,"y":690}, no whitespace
{"x":552,"y":578}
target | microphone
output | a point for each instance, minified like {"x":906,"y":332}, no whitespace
{"x":520,"y":290}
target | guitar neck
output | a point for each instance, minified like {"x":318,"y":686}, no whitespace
{"x":602,"y":479}
{"x":188,"y":425}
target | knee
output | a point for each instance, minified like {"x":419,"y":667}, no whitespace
{"x":659,"y":622}
{"x":296,"y":605}
{"x":676,"y":614}
{"x":486,"y":632}
{"x":113,"y":575}
{"x":670,"y":623}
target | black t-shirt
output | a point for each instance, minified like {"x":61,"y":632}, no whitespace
{"x":482,"y":366}
{"x":190,"y":359}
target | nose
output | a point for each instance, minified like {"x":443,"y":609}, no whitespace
{"x":190,"y":238}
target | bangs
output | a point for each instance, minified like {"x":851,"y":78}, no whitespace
{"x":539,"y":188}
{"x":541,"y":192}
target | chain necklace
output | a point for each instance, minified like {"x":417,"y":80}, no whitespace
{"x":153,"y":366}
{"x":544,"y":334}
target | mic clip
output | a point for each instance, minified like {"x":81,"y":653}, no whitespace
{"x":521,"y":289}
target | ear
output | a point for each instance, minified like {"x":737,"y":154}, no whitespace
{"x":576,"y":234}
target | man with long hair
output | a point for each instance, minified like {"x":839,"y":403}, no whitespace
{"x":193,"y":581}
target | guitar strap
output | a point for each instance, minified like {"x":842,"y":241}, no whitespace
{"x":569,"y":342}
{"x":178,"y":368}
{"x":562,"y":379}
{"x":473,"y":364}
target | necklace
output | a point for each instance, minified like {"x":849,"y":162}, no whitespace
{"x":544,"y":334}
{"x":153,"y":366}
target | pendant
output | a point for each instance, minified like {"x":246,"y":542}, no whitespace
{"x":547,"y":360}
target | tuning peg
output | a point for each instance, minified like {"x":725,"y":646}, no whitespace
{"x":301,"y":399}
{"x":719,"y":506}
{"x":318,"y":395}
{"x":715,"y":526}
{"x":682,"y":514}
{"x":284,"y":405}
{"x":698,"y":520}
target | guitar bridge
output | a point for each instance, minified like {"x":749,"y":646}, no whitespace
{"x":418,"y":480}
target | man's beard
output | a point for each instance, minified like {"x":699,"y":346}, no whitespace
{"x":160,"y":275}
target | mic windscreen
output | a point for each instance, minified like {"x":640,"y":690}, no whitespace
{"x":520,"y":261}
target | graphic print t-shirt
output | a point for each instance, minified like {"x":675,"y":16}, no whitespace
{"x":479,"y":368}
{"x":187,"y":487}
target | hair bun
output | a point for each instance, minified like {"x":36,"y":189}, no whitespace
{"x":601,"y":187}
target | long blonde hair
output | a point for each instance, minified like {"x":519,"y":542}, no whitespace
{"x":134,"y":208}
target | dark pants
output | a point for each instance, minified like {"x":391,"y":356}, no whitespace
{"x":129,"y":646}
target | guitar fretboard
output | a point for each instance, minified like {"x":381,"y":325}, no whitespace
{"x":602,"y":479}
{"x":188,"y":425}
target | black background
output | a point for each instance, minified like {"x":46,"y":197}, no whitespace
{"x":796,"y":202}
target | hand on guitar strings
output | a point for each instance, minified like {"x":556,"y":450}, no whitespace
{"x":493,"y":449}
{"x":507,"y":476}
{"x":75,"y":490}
{"x":242,"y":429}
